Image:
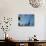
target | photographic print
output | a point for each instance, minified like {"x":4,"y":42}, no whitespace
{"x":25,"y":20}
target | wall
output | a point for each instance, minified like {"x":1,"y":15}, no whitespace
{"x":11,"y":8}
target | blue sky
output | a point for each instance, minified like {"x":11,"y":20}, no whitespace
{"x":26,"y":18}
